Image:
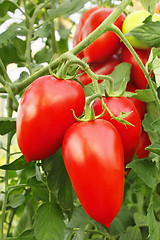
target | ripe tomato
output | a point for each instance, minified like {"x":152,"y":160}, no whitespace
{"x":79,"y":30}
{"x":45,"y":113}
{"x":157,"y":8}
{"x":137,"y":75}
{"x":94,"y":159}
{"x":130,"y":135}
{"x":140,"y":105}
{"x":134,"y":20}
{"x":104,"y":68}
{"x":144,"y":142}
{"x":108,"y":43}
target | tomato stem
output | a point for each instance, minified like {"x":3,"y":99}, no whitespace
{"x":131,"y":49}
{"x":105,"y":26}
{"x":4,"y":204}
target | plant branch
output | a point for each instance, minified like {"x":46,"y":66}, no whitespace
{"x":105,"y":26}
{"x":4,"y":204}
{"x":131,"y":49}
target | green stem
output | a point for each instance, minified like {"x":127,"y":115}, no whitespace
{"x":131,"y":49}
{"x":5,"y":72}
{"x":4,"y":204}
{"x":105,"y":26}
{"x":102,"y":28}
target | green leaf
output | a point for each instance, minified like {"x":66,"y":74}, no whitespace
{"x":66,"y":9}
{"x":39,"y":189}
{"x":121,"y":73}
{"x":65,"y":196}
{"x":18,"y":164}
{"x":153,"y":226}
{"x":7,"y":124}
{"x":140,"y":220}
{"x":146,"y":170}
{"x":79,"y":218}
{"x":149,"y":32}
{"x":120,"y":223}
{"x":43,"y":31}
{"x":156,"y":70}
{"x":49,"y":222}
{"x":44,"y":55}
{"x":132,"y":233}
{"x":16,"y":200}
{"x":145,"y":95}
{"x":149,"y":5}
{"x":9,"y":54}
{"x":6,"y":6}
{"x":154,"y":147}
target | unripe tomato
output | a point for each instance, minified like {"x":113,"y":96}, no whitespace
{"x":79,"y":30}
{"x":94,"y":159}
{"x":144,"y":142}
{"x":137,"y":75}
{"x":140,"y":105}
{"x":130,"y":135}
{"x":107,"y":44}
{"x":103,"y":68}
{"x":45,"y":113}
{"x":134,"y":20}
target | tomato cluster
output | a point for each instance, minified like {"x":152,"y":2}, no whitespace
{"x":95,"y":152}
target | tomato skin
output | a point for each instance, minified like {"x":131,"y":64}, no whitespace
{"x":45,"y":113}
{"x":103,"y":68}
{"x":144,"y":142}
{"x":94,"y":159}
{"x":137,"y":75}
{"x":107,"y":44}
{"x":157,"y":8}
{"x":130,"y":135}
{"x":140,"y":105}
{"x":79,"y":30}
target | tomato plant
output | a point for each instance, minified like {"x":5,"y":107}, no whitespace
{"x":140,"y":105}
{"x":93,"y":151}
{"x":137,"y":75}
{"x":130,"y":135}
{"x":107,"y":44}
{"x":103,"y":68}
{"x":45,"y":105}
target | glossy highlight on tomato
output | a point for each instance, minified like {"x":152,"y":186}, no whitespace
{"x":130,"y":135}
{"x":103,"y":68}
{"x":94,"y":159}
{"x":45,"y":113}
{"x":108,"y":43}
{"x":137,"y":75}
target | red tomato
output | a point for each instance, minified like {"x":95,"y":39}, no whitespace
{"x":108,"y":43}
{"x":45,"y":113}
{"x":144,"y":142}
{"x":137,"y":75}
{"x":104,"y":68}
{"x":130,"y":135}
{"x":140,"y":105}
{"x":79,"y":30}
{"x":93,"y":156}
